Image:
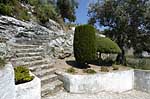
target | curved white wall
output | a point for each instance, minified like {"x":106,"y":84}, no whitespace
{"x":29,"y":90}
{"x":7,"y":85}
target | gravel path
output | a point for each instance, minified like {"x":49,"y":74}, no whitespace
{"x":102,"y":95}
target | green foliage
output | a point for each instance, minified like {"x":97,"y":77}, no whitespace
{"x":89,"y":71}
{"x":67,"y":8}
{"x":2,"y":62}
{"x":126,"y":20}
{"x":6,"y":9}
{"x":22,"y":75}
{"x":106,"y":45}
{"x":71,"y":70}
{"x":84,"y":44}
{"x":45,"y":12}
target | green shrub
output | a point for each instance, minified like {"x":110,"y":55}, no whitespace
{"x":6,"y":9}
{"x":106,"y":45}
{"x":104,"y":69}
{"x":22,"y":75}
{"x":71,"y":70}
{"x":114,"y":67}
{"x":2,"y":62}
{"x":84,"y":44}
{"x":45,"y":12}
{"x":89,"y":71}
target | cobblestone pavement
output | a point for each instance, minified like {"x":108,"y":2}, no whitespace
{"x":102,"y":95}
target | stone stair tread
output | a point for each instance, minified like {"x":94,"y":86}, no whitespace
{"x":24,"y":46}
{"x":48,"y":77}
{"x":43,"y":66}
{"x":29,"y":50}
{"x":26,"y":59}
{"x":45,"y":72}
{"x":52,"y":85}
{"x":36,"y":62}
{"x":29,"y":54}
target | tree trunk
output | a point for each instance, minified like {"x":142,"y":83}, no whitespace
{"x":121,"y":59}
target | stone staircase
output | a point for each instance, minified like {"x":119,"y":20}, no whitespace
{"x":34,"y":57}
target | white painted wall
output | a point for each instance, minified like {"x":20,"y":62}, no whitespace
{"x":7,"y":85}
{"x":119,"y":81}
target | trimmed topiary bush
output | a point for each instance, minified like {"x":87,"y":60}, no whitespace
{"x":106,"y":45}
{"x":22,"y":75}
{"x":84,"y":44}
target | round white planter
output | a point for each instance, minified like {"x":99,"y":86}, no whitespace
{"x":7,"y":84}
{"x":118,"y":81}
{"x":29,"y":90}
{"x":142,"y":80}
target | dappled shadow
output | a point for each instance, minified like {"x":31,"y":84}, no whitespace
{"x":76,"y":65}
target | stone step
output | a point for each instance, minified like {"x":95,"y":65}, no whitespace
{"x":35,"y":68}
{"x":27,"y":59}
{"x":45,"y":72}
{"x":29,"y":54}
{"x":26,"y":50}
{"x":19,"y":46}
{"x":51,"y":88}
{"x":33,"y":63}
{"x":48,"y":79}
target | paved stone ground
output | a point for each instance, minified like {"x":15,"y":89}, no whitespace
{"x":102,"y":95}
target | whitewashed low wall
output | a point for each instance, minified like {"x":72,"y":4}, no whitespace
{"x":119,"y":81}
{"x":29,"y":90}
{"x":142,"y":80}
{"x":7,"y":85}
